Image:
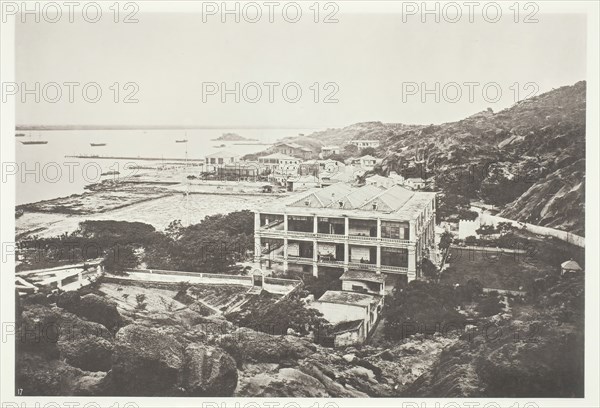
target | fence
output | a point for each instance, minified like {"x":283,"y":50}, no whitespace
{"x":271,"y":285}
{"x":536,"y":229}
{"x":154,"y":275}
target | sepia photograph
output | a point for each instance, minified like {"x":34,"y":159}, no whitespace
{"x":302,"y":204}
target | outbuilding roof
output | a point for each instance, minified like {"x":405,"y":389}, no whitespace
{"x":348,"y":298}
{"x":362,"y":276}
{"x":570,"y":265}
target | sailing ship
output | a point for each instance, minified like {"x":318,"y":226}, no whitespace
{"x":37,"y":141}
{"x":34,"y":142}
{"x":181,"y":141}
{"x":97,"y":144}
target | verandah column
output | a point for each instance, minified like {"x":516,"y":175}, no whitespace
{"x":257,"y":243}
{"x":412,"y":255}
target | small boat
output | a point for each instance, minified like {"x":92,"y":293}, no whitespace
{"x":19,"y":134}
{"x":181,"y":141}
{"x":221,"y":146}
{"x":34,"y":142}
{"x":97,"y":144}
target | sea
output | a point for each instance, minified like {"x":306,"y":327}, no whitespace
{"x":45,"y":171}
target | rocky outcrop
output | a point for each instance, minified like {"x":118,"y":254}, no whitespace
{"x":208,"y":371}
{"x":248,"y":345}
{"x":38,"y":376}
{"x":39,"y":330}
{"x":146,"y":362}
{"x":99,"y":310}
{"x":284,"y":382}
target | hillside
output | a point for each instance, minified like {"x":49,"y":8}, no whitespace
{"x":528,"y":160}
{"x":535,"y":350}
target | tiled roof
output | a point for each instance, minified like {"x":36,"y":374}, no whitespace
{"x":395,"y":202}
{"x":278,"y":156}
{"x":363,"y":276}
{"x":344,"y":327}
{"x":348,"y":298}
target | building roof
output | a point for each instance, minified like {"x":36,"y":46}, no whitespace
{"x":360,"y":196}
{"x":279,"y":156}
{"x":344,"y":327}
{"x":294,"y":145}
{"x":222,"y":153}
{"x":364,"y":140}
{"x":363,"y":276}
{"x":368,"y":157}
{"x":392,"y":203}
{"x":378,"y":178}
{"x":329,"y":147}
{"x":571,"y":265}
{"x":349,"y":298}
{"x":304,"y":179}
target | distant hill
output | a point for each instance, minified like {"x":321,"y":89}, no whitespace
{"x":528,"y":160}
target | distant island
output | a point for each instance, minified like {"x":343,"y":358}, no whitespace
{"x":233,"y":137}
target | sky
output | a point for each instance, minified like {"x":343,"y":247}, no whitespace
{"x":375,"y":64}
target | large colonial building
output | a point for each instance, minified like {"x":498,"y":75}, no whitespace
{"x":369,"y":228}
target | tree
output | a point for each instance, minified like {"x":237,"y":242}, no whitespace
{"x":351,"y":150}
{"x":140,"y":302}
{"x":368,"y":151}
{"x":445,"y":240}
{"x":504,"y":227}
{"x":471,"y":240}
{"x":430,"y":271}
{"x":277,"y":318}
{"x":486,"y":230}
{"x":174,"y":230}
{"x":421,"y":307}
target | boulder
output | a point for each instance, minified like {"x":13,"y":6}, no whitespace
{"x":69,"y":301}
{"x":249,"y":345}
{"x":88,"y":353}
{"x":100,"y":310}
{"x":39,"y":330}
{"x":287,"y":382}
{"x":349,"y":357}
{"x":208,"y":372}
{"x":146,"y":362}
{"x":38,"y":376}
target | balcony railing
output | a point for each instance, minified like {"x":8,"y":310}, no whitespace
{"x":397,"y":269}
{"x":395,"y":241}
{"x":330,"y":262}
{"x":331,"y":236}
{"x":361,"y":238}
{"x":338,"y":237}
{"x":300,"y":260}
{"x":361,"y":265}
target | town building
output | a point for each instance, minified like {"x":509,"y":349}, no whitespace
{"x":355,"y":310}
{"x":368,"y":162}
{"x":241,"y":171}
{"x":302,"y":183}
{"x":346,"y":227}
{"x":361,"y":144}
{"x":381,"y":181}
{"x":279,"y":162}
{"x":220,"y":158}
{"x":415,"y":183}
{"x":293,"y":149}
{"x":327,"y":151}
